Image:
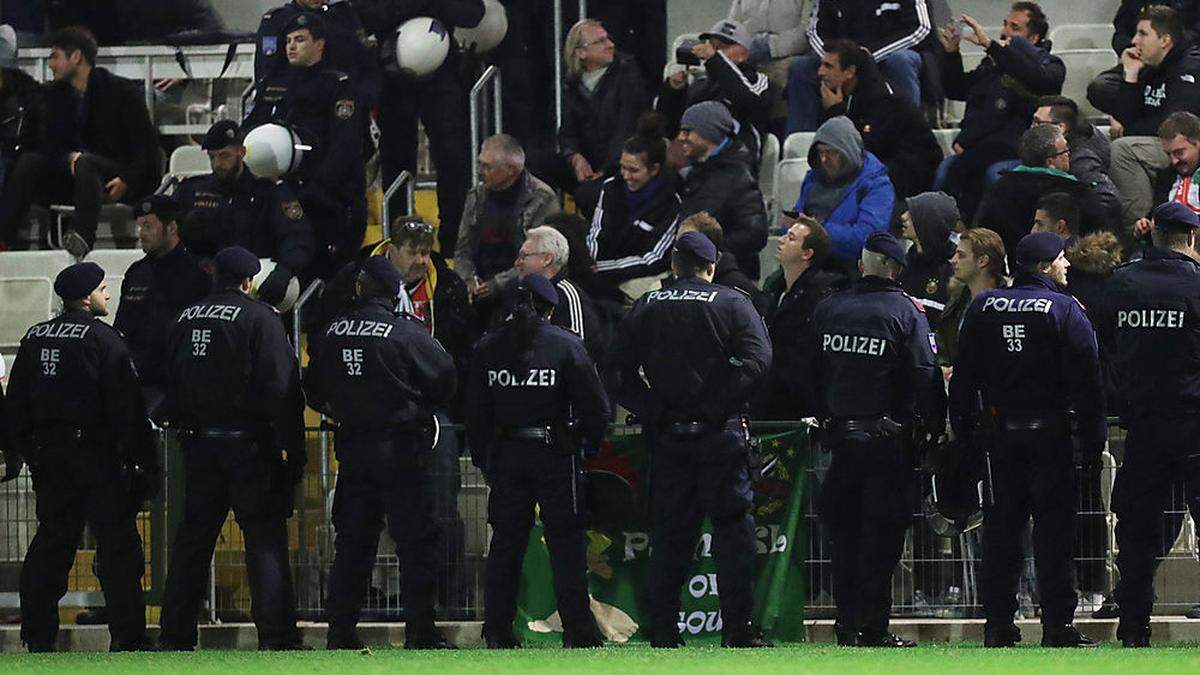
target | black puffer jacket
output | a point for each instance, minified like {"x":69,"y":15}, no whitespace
{"x":22,"y":112}
{"x":722,"y":186}
{"x":628,"y":243}
{"x":596,"y":126}
{"x":1141,"y":107}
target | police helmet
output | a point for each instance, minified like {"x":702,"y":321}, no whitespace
{"x":489,"y":33}
{"x":289,"y":297}
{"x":273,"y":151}
{"x":953,"y":505}
{"x":419,"y":48}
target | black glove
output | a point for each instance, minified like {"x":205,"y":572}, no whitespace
{"x":273,"y":289}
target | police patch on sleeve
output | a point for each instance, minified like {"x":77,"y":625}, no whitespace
{"x":344,"y":109}
{"x":293,"y":210}
{"x":269,"y":45}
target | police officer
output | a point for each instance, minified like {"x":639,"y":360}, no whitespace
{"x":874,"y":381}
{"x":347,"y":43}
{"x":233,"y":207}
{"x":1152,"y":315}
{"x":380,"y":376}
{"x":155,"y":289}
{"x":704,"y":351}
{"x":76,"y":416}
{"x":536,"y":408}
{"x":321,"y":105}
{"x":1029,"y":354}
{"x":233,"y":393}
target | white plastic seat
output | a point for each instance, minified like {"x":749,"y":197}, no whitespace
{"x":796,"y":145}
{"x":26,"y":301}
{"x":1081,"y":36}
{"x":1083,"y":65}
{"x":115,"y":262}
{"x":788,"y":179}
{"x":189,"y":160}
{"x":945,"y":138}
{"x":34,"y":263}
{"x":767,"y":167}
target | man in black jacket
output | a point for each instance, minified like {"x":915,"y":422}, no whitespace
{"x":115,"y":22}
{"x":22,"y":107}
{"x":1126,"y":20}
{"x":1158,"y":75}
{"x":719,"y":182}
{"x":1000,"y":94}
{"x":927,"y":222}
{"x":1091,"y":149}
{"x":100,"y":145}
{"x":891,"y":126}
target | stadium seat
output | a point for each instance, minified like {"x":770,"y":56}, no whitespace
{"x":1083,"y":65}
{"x":47,"y":264}
{"x":766,"y":257}
{"x":114,"y":224}
{"x":189,"y":160}
{"x":115,"y":262}
{"x":26,"y":301}
{"x":1081,"y":36}
{"x":788,"y":179}
{"x":796,"y":145}
{"x":767,"y":167}
{"x":945,"y":138}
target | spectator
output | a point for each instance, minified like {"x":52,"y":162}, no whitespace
{"x":978,"y":264}
{"x":1158,"y":75}
{"x":889,"y":31}
{"x":779,"y":33}
{"x":546,"y":252}
{"x":100,"y":145}
{"x":847,"y":189}
{"x":892,"y":128}
{"x":602,"y":99}
{"x":508,"y":202}
{"x":727,"y":273}
{"x":1180,"y":138}
{"x":22,"y":108}
{"x":1057,"y":212}
{"x":1001,"y":95}
{"x":729,"y":79}
{"x":122,"y":21}
{"x":1009,"y":205}
{"x":634,"y":222}
{"x":790,"y":298}
{"x":719,"y":183}
{"x":1126,"y":20}
{"x":928,"y":222}
{"x":639,"y":28}
{"x":1090,"y":149}
{"x":581,"y":267}
{"x":233,"y":207}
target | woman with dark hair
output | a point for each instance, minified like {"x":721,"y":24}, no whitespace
{"x":529,"y":380}
{"x":634,"y":223}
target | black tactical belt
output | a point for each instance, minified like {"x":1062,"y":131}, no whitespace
{"x":529,"y":434}
{"x":865,"y":425}
{"x":687,"y":428}
{"x":221,"y":434}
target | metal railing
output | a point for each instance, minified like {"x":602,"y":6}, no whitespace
{"x":480,"y":102}
{"x":404,"y":180}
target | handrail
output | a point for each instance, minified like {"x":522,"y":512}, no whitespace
{"x":297,"y":309}
{"x":491,"y":75}
{"x":404,"y":179}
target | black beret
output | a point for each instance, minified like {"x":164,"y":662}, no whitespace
{"x":235,"y":261}
{"x":78,"y":281}
{"x":222,"y":135}
{"x":1174,"y":216}
{"x":1039,"y":247}
{"x":379,"y":268}
{"x":166,"y":208}
{"x":887,"y":245}
{"x":314,"y":23}
{"x":540,"y":287}
{"x":698,"y":245}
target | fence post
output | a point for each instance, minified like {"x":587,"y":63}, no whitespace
{"x":489,"y":76}
{"x":405,"y":180}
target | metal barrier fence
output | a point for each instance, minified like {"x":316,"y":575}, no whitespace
{"x":935,"y":578}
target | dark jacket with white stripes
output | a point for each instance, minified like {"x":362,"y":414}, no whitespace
{"x":745,"y":91}
{"x":884,"y":27}
{"x":631,"y":243}
{"x":577,"y":313}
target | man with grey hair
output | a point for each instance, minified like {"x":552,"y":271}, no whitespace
{"x":545,"y":253}
{"x":508,"y":202}
{"x":1010,"y":203}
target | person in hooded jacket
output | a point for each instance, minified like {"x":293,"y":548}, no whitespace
{"x":847,"y":189}
{"x":927,"y":223}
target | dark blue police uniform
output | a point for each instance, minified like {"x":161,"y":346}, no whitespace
{"x":76,"y":416}
{"x":1029,"y":353}
{"x":1151,"y":315}
{"x":233,"y":393}
{"x":704,"y":350}
{"x":380,"y":376}
{"x":523,"y":392}
{"x":345,"y":45}
{"x":873,"y":378}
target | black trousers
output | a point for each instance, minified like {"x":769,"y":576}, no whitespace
{"x":691,"y":478}
{"x":339,"y":229}
{"x":74,"y":488}
{"x":1032,"y":474}
{"x":224,"y":474}
{"x":1159,"y":451}
{"x":383,"y":475}
{"x":37,"y":178}
{"x":521,"y":475}
{"x":866,"y":505}
{"x":441,"y":104}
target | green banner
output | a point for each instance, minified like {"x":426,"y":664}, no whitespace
{"x":619,"y":551}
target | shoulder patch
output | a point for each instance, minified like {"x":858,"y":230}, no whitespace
{"x":270,"y":45}
{"x":293,"y":210}
{"x":344,"y":108}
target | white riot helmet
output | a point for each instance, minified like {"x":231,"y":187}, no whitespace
{"x":489,"y":33}
{"x":289,"y":297}
{"x":274,"y":151}
{"x":419,"y":48}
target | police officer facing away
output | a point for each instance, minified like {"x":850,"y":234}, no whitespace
{"x":704,"y":351}
{"x":874,"y":380}
{"x":380,"y":376}
{"x":1028,"y":354}
{"x":233,"y":393}
{"x":76,"y":416}
{"x":1151,"y":313}
{"x":537,"y":408}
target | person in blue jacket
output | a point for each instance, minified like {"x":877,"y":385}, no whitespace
{"x":847,"y":189}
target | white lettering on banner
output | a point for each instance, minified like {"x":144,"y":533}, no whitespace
{"x":1001,"y":304}
{"x":218,"y":312}
{"x":702,"y":585}
{"x":677,"y":296}
{"x":537,"y":377}
{"x":700,"y":622}
{"x":634,"y":542}
{"x":359,"y":328}
{"x":1150,"y":318}
{"x":61,"y":331}
{"x":853,"y":344}
{"x":769,"y":540}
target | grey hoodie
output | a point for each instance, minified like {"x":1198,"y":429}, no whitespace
{"x":840,"y":134}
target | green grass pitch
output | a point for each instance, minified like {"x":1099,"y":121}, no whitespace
{"x":633,"y":660}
